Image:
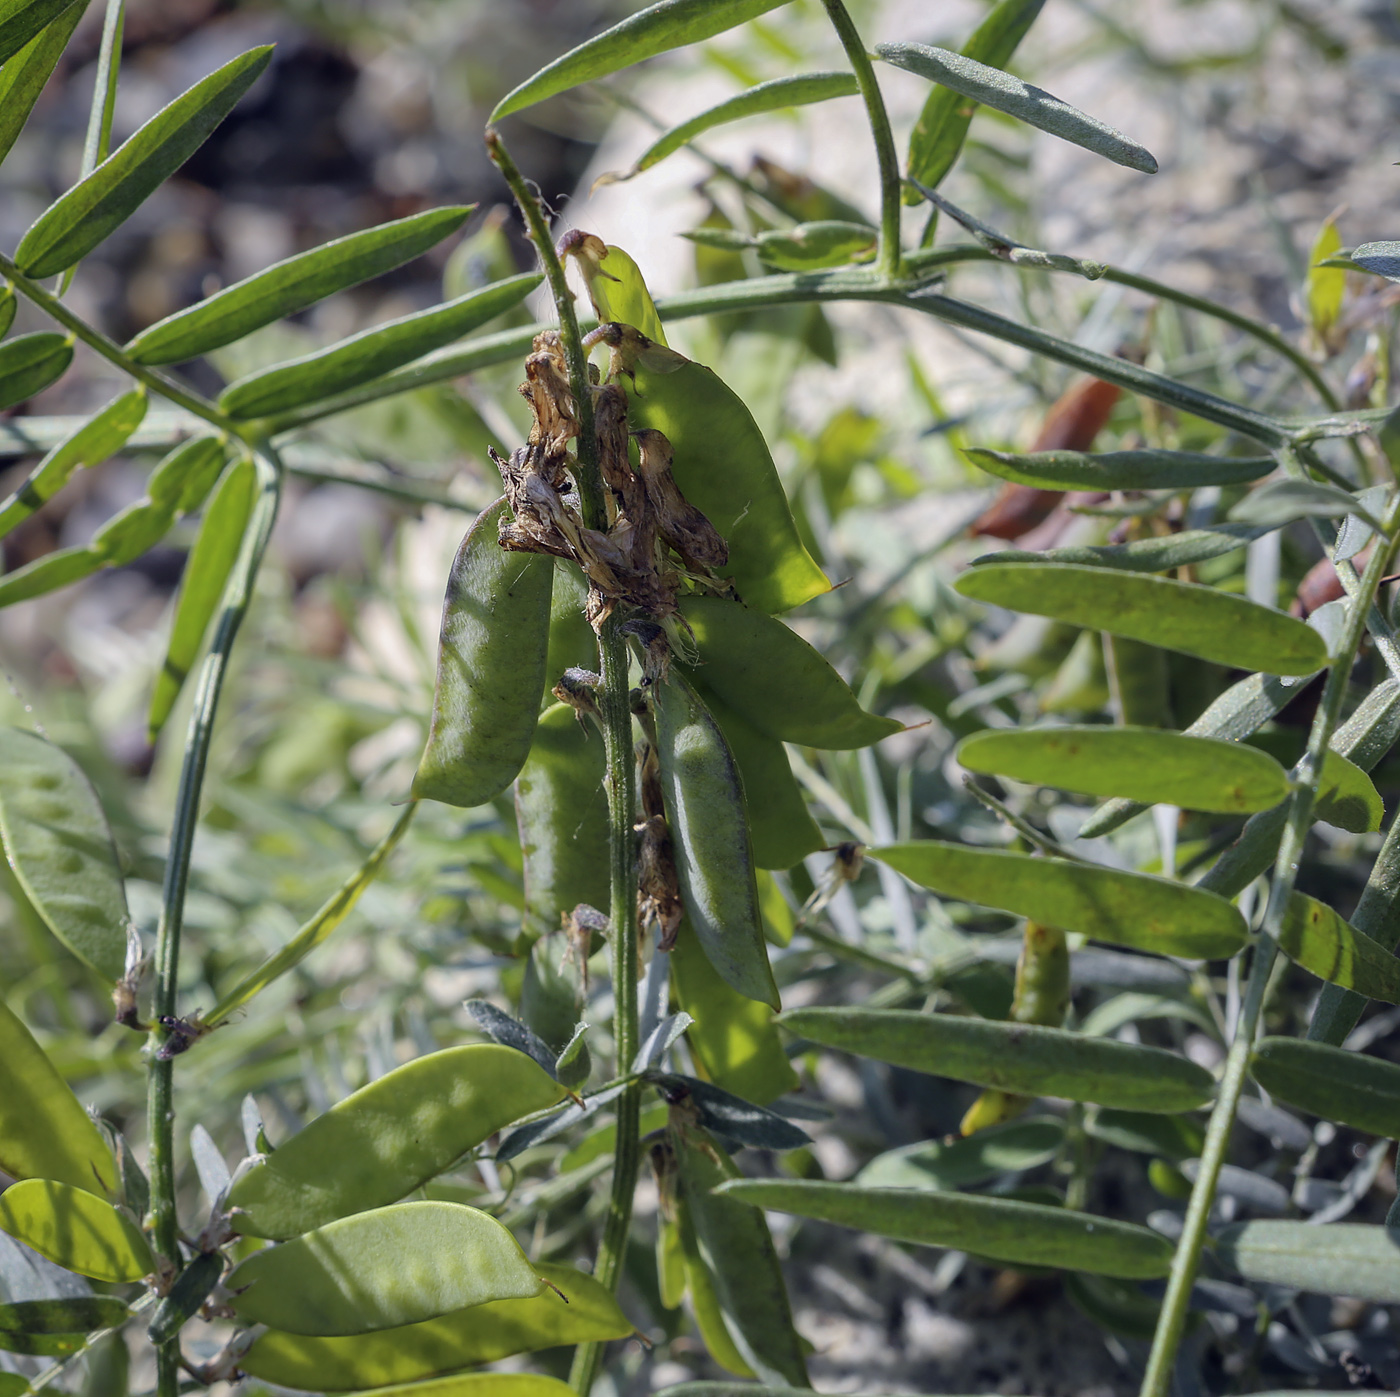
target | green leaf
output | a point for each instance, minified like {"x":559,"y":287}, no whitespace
{"x":1334,"y":1083}
{"x":1142,"y":554}
{"x":202,"y":586}
{"x":383,"y":1141}
{"x":798,"y":91}
{"x":29,"y":363}
{"x":1020,"y":1234}
{"x":25,"y":74}
{"x":382,"y":1269}
{"x":1125,"y":909}
{"x":1325,"y":286}
{"x":734,"y":1041}
{"x":1319,"y":940}
{"x":193,"y":1286}
{"x":97,"y":439}
{"x":21,"y":21}
{"x":1174,"y":1138}
{"x":622,"y":294}
{"x":59,"y":845}
{"x":1007,"y":1148}
{"x":129,"y":533}
{"x":1033,"y":105}
{"x":1120,"y":470}
{"x":714,"y":861}
{"x":184,"y":476}
{"x":1279,"y":502}
{"x":1021,"y":1058}
{"x":8,"y":302}
{"x":1338,"y":1258}
{"x":47,"y":573}
{"x":76,"y":1229}
{"x":811,"y":246}
{"x":1184,"y":616}
{"x":561,"y":810}
{"x":312,"y":933}
{"x":723,"y":467}
{"x":371,"y":353}
{"x":736,"y":1250}
{"x":41,"y":1345}
{"x":941,"y":129}
{"x":1381,"y":259}
{"x":584,"y":1312}
{"x":293,"y":285}
{"x":76,"y":1314}
{"x":491,"y":667}
{"x":780,"y":825}
{"x":1347,"y":797}
{"x":69,"y":229}
{"x":656,"y":29}
{"x":44,"y":1131}
{"x":1143,"y":764}
{"x":773,"y":679}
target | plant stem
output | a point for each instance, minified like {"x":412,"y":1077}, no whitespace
{"x":616,"y":714}
{"x":890,"y":256}
{"x":110,"y":350}
{"x":160,"y":1080}
{"x":1157,"y":1379}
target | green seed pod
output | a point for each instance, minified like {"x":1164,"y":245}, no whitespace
{"x":571,"y":639}
{"x":714,"y":860}
{"x":491,"y":668}
{"x":76,"y":1229}
{"x":384,"y":1140}
{"x":562,"y":812}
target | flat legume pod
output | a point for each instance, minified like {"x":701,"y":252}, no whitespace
{"x":714,"y":861}
{"x":491,"y":668}
{"x":384,"y":1140}
{"x":77,"y":1230}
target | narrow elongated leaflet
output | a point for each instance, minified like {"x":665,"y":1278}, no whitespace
{"x":1008,"y":1148}
{"x":1145,"y":764}
{"x":293,"y":285}
{"x":1120,"y":470}
{"x":1339,"y":1258}
{"x":21,"y":20}
{"x":69,"y":229}
{"x":780,"y":825}
{"x":771,"y":677}
{"x":382,"y":1269}
{"x":8,"y":303}
{"x":372,"y":352}
{"x":724,"y":468}
{"x":938,"y":135}
{"x":1142,"y":554}
{"x":584,"y":1311}
{"x":24,"y":75}
{"x":1319,"y":940}
{"x":29,"y":363}
{"x":1278,"y":502}
{"x":1025,"y":1234}
{"x":47,"y":573}
{"x":98,"y":438}
{"x":1182,"y":616}
{"x":184,"y":477}
{"x":130,"y":532}
{"x":737,"y":1250}
{"x":482,"y":1385}
{"x":399,"y":1131}
{"x":74,"y":1314}
{"x":192,"y":1288}
{"x":1126,"y":909}
{"x":76,"y":1229}
{"x":1382,"y":259}
{"x":1172,"y":1137}
{"x":312,"y":933}
{"x":41,"y":1345}
{"x":705,"y":809}
{"x":809,"y":247}
{"x":1033,"y":105}
{"x":667,"y":25}
{"x":59,"y":845}
{"x":1022,"y":1058}
{"x":202,"y":585}
{"x":561,"y":810}
{"x":44,"y":1131}
{"x":734,"y":1041}
{"x":491,"y":668}
{"x":798,"y":91}
{"x":1339,"y":1085}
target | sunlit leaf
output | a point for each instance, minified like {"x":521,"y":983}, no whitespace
{"x":30,"y":363}
{"x":24,"y":75}
{"x":1318,"y":939}
{"x":1334,"y":1083}
{"x":76,"y":1229}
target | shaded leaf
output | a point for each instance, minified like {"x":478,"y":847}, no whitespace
{"x":76,"y":1314}
{"x":76,"y":1229}
{"x":29,"y":363}
{"x":1319,"y":940}
{"x":1336,"y":1259}
{"x":1184,"y":616}
{"x":808,"y":247}
{"x":1142,"y":554}
{"x":1347,"y":797}
{"x":192,"y":1288}
{"x":511,"y":1033}
{"x":1126,"y":909}
{"x":736,"y":1121}
{"x":1282,"y":501}
{"x":1382,"y":259}
{"x":21,"y":21}
{"x":1334,"y":1083}
{"x":69,"y":229}
{"x":1120,"y":470}
{"x":24,"y":75}
{"x":1007,"y":1148}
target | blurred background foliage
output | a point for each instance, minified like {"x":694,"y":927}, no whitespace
{"x":1268,"y":117}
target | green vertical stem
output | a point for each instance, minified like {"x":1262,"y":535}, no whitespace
{"x":616,"y":715}
{"x":1165,"y":1343}
{"x":160,"y":1080}
{"x":890,"y":259}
